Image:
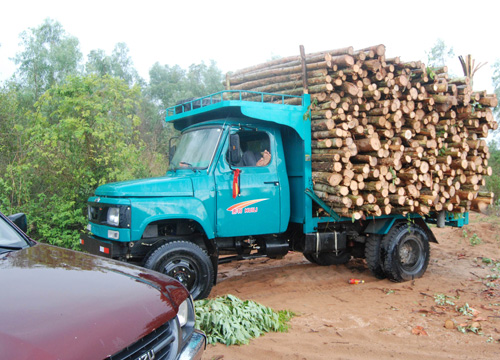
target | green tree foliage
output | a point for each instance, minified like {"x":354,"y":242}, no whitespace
{"x":83,"y":134}
{"x":119,"y":64}
{"x":9,"y":116}
{"x":204,"y":79}
{"x":86,"y":129}
{"x":439,"y":54}
{"x":98,"y":63}
{"x":49,"y":55}
{"x":155,"y":135}
{"x":493,"y":181}
{"x":496,"y":85}
{"x":12,"y":148}
{"x":66,"y":128}
{"x":166,"y":84}
{"x":169,"y":85}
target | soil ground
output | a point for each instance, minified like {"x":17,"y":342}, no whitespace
{"x":379,"y":319}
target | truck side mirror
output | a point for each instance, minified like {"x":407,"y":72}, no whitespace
{"x":234,"y":149}
{"x":20,"y":221}
{"x":171,"y":148}
{"x":171,"y":153}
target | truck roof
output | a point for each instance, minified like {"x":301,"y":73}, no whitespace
{"x":267,"y":107}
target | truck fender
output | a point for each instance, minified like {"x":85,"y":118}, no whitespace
{"x":382,"y":226}
{"x":420,"y":222}
{"x":145,"y":212}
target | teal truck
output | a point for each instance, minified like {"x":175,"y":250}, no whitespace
{"x":239,"y":187}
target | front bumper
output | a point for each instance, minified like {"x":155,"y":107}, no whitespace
{"x":101,"y":247}
{"x":193,"y":350}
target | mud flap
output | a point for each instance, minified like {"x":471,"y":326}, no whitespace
{"x":420,"y":222}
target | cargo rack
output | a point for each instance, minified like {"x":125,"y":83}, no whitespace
{"x":232,"y":95}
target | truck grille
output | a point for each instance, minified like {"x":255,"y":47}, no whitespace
{"x":161,"y":344}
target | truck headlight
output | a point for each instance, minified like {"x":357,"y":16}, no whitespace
{"x":113,"y":217}
{"x":183,"y":313}
{"x":186,"y":316}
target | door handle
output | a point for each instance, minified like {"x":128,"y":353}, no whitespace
{"x":275,"y":183}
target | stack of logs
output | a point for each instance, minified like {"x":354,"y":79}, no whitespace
{"x":387,"y":136}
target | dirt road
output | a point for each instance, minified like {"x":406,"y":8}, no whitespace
{"x":378,"y":319}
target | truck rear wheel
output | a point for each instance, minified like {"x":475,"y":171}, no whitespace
{"x":406,"y":252}
{"x":185,"y":262}
{"x":373,"y":256}
{"x":327,"y":259}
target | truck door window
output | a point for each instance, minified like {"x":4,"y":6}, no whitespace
{"x":255,"y":147}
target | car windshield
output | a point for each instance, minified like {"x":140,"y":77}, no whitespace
{"x":196,"y":148}
{"x":10,"y":239}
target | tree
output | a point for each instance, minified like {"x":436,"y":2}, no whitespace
{"x":496,"y":85}
{"x":98,"y":63}
{"x":169,"y":85}
{"x":49,"y":56}
{"x":8,"y":120}
{"x":439,"y":54}
{"x":65,"y":129}
{"x":204,"y":80}
{"x":14,"y":186}
{"x":119,"y":64}
{"x":122,"y":64}
{"x":166,"y":85}
{"x":493,"y":181}
{"x":83,"y":133}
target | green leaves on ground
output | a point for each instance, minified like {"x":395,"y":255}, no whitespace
{"x":231,"y":321}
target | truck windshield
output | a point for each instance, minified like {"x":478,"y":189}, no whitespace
{"x":196,"y":148}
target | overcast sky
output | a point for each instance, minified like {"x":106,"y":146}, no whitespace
{"x":237,"y":34}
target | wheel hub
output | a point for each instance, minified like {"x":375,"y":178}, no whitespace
{"x":409,"y":253}
{"x":182,"y":272}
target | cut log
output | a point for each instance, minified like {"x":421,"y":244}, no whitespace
{"x":368,"y":144}
{"x":332,"y":179}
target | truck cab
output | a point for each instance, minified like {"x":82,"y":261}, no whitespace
{"x":240,"y":186}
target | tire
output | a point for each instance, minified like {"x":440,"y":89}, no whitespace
{"x":406,"y":252}
{"x":327,"y":259}
{"x":373,"y":256}
{"x":310,"y":258}
{"x":185,"y":262}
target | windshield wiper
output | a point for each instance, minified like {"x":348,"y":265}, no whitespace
{"x":183,"y":164}
{"x":6,"y":247}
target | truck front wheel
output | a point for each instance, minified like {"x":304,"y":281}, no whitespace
{"x":185,"y":262}
{"x":406,"y":252}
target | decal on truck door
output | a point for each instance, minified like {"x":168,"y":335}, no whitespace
{"x":243,"y":207}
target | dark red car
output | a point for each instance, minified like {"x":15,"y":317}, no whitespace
{"x":61,"y":304}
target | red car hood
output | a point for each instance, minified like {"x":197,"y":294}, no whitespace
{"x":61,"y":304}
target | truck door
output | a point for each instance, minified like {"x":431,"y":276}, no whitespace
{"x":256,"y":208}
